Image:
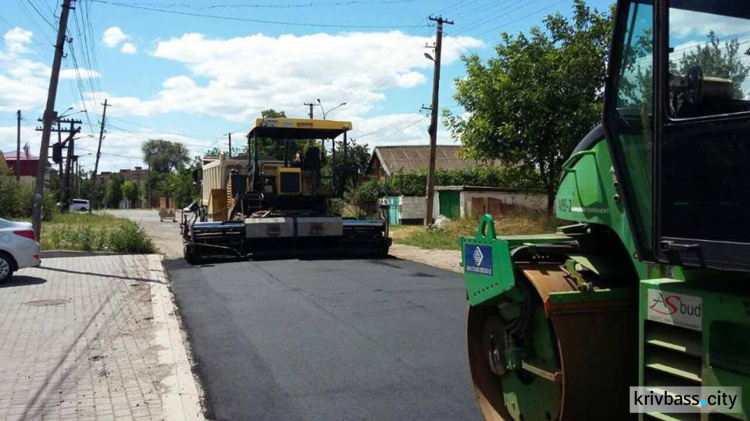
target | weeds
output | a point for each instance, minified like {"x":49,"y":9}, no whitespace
{"x":95,"y":232}
{"x":516,"y":222}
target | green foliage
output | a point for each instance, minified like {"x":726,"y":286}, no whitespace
{"x":87,"y":232}
{"x":130,"y":191}
{"x":516,"y":222}
{"x":113,"y":191}
{"x":163,"y":156}
{"x":414,"y":183}
{"x":130,"y":238}
{"x":181,"y":188}
{"x":354,"y":163}
{"x":275,"y":148}
{"x":18,"y":200}
{"x":213,"y":153}
{"x":717,"y":61}
{"x":538,"y":97}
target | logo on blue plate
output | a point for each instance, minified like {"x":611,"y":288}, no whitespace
{"x":478,"y":259}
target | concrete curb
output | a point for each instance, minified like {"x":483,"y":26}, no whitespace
{"x":51,"y":254}
{"x":181,"y":395}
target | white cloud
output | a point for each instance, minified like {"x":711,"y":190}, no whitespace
{"x":685,"y":23}
{"x":23,"y":82}
{"x":113,"y":36}
{"x":84,"y":73}
{"x":17,"y":40}
{"x":237,"y":78}
{"x":128,"y":48}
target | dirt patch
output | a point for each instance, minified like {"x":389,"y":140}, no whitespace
{"x":442,"y":259}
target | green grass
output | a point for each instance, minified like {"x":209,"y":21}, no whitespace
{"x":446,"y":238}
{"x":95,"y":232}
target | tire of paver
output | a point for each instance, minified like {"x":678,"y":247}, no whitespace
{"x":189,"y":252}
{"x":7,"y":266}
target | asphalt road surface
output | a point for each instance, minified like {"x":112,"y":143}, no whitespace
{"x":322,"y":339}
{"x":327,"y":339}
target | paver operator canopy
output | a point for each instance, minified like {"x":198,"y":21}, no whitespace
{"x":285,"y":129}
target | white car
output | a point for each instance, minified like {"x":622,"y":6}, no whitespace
{"x":80,"y":205}
{"x":18,"y":248}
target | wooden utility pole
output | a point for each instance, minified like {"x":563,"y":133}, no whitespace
{"x":230,"y":144}
{"x":434,"y":121}
{"x":98,"y":155}
{"x":48,"y":118}
{"x":18,"y":147}
{"x":69,"y":166}
{"x":311,"y":105}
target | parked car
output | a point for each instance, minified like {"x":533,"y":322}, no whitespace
{"x":18,"y":248}
{"x":80,"y":205}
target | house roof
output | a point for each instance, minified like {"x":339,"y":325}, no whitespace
{"x":11,"y":156}
{"x":409,"y":158}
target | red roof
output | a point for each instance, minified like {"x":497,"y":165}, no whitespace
{"x":11,"y":156}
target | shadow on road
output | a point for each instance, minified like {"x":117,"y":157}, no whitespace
{"x":21,"y":281}
{"x":105,"y":275}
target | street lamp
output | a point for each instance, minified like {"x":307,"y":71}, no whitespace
{"x":68,"y":115}
{"x":320,"y":104}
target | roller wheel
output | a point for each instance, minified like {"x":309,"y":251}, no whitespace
{"x":534,"y":362}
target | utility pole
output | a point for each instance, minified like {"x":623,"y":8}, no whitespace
{"x":98,"y":155}
{"x":230,"y":144}
{"x":311,"y":105}
{"x":69,"y":144}
{"x":18,"y":147}
{"x":434,"y":121}
{"x":49,"y":117}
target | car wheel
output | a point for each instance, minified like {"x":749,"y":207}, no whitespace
{"x":7,"y":267}
{"x":83,"y":209}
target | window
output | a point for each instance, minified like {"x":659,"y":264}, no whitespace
{"x":709,"y":58}
{"x":629,"y":121}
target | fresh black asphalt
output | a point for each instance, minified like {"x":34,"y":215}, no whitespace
{"x":327,"y":340}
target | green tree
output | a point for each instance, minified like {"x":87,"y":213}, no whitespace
{"x":538,"y":97}
{"x":275,"y":148}
{"x":87,"y":185}
{"x":113,"y":192}
{"x":717,"y":61}
{"x":355,"y":163}
{"x":163,"y":156}
{"x":213,"y":153}
{"x":130,"y":191}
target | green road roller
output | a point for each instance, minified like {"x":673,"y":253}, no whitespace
{"x":649,"y":284}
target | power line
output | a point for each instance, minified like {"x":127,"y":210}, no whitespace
{"x":41,"y":15}
{"x":276,"y":6}
{"x":523,"y":17}
{"x":238,"y":19}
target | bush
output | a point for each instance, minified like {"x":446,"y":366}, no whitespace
{"x":414,"y":183}
{"x":96,"y":233}
{"x":130,"y":238}
{"x":18,"y":200}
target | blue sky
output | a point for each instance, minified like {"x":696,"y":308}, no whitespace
{"x":195,"y":78}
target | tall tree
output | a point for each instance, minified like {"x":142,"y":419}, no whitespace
{"x":355,"y":164}
{"x":113,"y":192}
{"x":717,"y":61}
{"x":538,"y":97}
{"x":274,"y":148}
{"x":130,"y":191}
{"x":164,"y":156}
{"x":212,"y":153}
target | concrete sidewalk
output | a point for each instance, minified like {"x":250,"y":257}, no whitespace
{"x":93,"y":338}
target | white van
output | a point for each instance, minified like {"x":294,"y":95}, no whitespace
{"x":80,"y":205}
